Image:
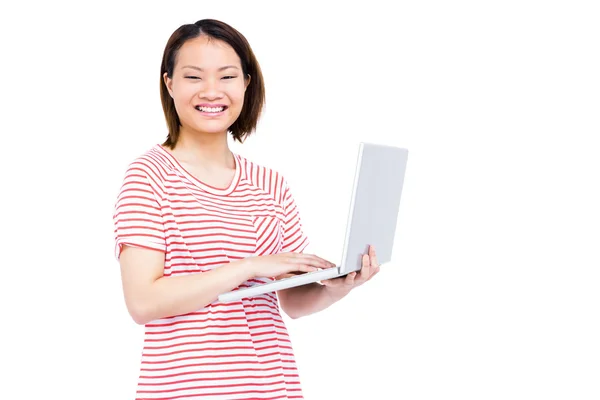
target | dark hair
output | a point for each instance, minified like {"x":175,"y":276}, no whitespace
{"x":254,"y":97}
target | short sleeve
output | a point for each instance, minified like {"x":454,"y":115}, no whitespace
{"x":294,"y":238}
{"x":137,"y":215}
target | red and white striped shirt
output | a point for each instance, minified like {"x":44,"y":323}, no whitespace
{"x":237,"y":350}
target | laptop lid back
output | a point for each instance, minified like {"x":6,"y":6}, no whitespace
{"x":375,"y":204}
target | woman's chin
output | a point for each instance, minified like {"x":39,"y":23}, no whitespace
{"x":211,"y":129}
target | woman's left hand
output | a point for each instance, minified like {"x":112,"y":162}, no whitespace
{"x":343,"y":285}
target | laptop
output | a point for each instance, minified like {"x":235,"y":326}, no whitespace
{"x":372,"y":218}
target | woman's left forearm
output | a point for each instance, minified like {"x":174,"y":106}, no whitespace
{"x":304,"y":300}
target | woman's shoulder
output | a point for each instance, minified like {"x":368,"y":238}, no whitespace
{"x":260,"y":174}
{"x":152,"y":161}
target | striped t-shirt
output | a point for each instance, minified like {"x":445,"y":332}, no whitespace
{"x":236,"y":350}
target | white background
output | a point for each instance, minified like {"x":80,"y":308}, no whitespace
{"x":494,"y":288}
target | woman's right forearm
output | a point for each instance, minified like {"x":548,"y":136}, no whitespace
{"x":176,"y":295}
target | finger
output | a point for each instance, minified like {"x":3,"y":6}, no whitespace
{"x":350,"y":278}
{"x":305,"y":268}
{"x":365,"y":271}
{"x":334,"y":282}
{"x":313,"y":260}
{"x":302,"y":262}
{"x":295,"y":266}
{"x":289,"y":274}
{"x":374,"y":272}
{"x":320,"y":260}
{"x":373,"y":256}
{"x":366,"y":261}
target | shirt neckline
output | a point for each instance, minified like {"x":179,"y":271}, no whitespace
{"x":202,"y":185}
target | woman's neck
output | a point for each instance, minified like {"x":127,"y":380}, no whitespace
{"x":210,"y":150}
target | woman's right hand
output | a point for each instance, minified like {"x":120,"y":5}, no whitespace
{"x":275,"y":265}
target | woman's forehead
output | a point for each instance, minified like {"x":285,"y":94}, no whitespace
{"x":207,"y":53}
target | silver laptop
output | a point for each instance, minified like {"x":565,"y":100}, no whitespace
{"x":372,"y":219}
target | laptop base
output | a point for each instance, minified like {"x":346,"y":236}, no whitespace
{"x":292,"y":281}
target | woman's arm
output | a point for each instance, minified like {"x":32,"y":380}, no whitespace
{"x":304,"y":300}
{"x":149,"y":295}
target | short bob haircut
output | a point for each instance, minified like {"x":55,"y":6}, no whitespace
{"x":254,"y":98}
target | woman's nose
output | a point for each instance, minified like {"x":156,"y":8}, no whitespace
{"x":211,"y":89}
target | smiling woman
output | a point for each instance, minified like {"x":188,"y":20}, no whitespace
{"x":212,"y":59}
{"x":193,"y":220}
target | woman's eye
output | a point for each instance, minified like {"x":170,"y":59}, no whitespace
{"x":192,"y":77}
{"x":229,"y":77}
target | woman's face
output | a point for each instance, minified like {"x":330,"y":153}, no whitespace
{"x":208,"y":85}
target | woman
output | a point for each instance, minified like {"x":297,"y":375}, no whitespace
{"x":194,"y":220}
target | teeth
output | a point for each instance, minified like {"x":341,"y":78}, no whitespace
{"x":211,"y":109}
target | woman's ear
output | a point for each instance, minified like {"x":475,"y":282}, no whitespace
{"x":247,"y":81}
{"x":168,"y":83}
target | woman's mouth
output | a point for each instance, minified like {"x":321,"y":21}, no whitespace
{"x":212,"y":110}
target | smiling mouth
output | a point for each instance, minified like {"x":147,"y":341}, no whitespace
{"x":211,"y":109}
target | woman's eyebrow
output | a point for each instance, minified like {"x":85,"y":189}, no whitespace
{"x":220,"y":69}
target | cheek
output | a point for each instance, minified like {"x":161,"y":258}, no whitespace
{"x":185,"y":93}
{"x":183,"y":105}
{"x":237,"y":95}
